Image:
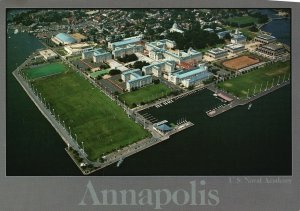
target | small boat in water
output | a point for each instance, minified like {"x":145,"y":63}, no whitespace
{"x":120,"y":162}
{"x":16,"y":31}
{"x":249,"y":106}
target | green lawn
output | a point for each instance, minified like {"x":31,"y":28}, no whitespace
{"x":101,"y":72}
{"x":261,"y":77}
{"x":45,"y":70}
{"x":98,"y":122}
{"x":146,"y":94}
{"x":243,"y":20}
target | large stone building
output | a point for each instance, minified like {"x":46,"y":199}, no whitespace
{"x":129,"y":49}
{"x":48,"y":54}
{"x":234,"y":48}
{"x":157,"y":69}
{"x":265,"y":38}
{"x":98,"y":55}
{"x":217,"y":53}
{"x":190,"y":78}
{"x":135,"y":79}
{"x":272,"y":50}
{"x":125,"y":42}
{"x":63,"y":39}
{"x":164,"y":49}
{"x":77,"y":48}
{"x":238,"y":37}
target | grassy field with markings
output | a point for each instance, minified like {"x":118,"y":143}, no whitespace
{"x":264,"y":77}
{"x":45,"y":70}
{"x":97,"y":121}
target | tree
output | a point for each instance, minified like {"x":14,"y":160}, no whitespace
{"x":156,"y":81}
{"x":114,"y":72}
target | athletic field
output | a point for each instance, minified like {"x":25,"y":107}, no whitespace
{"x":261,"y":78}
{"x":45,"y":70}
{"x":240,"y":62}
{"x":145,"y":94}
{"x":92,"y":116}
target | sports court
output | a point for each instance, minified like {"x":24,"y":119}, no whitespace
{"x":240,"y":62}
{"x":45,"y":70}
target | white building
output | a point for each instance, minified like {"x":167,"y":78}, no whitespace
{"x":135,"y":79}
{"x":157,"y":69}
{"x":125,"y":42}
{"x":78,"y":48}
{"x":217,"y":53}
{"x":176,"y":29}
{"x":265,"y":38}
{"x":238,"y":38}
{"x":190,"y":78}
{"x":98,"y":55}
{"x":163,"y":49}
{"x":48,"y":54}
{"x":129,"y":49}
{"x":234,"y":48}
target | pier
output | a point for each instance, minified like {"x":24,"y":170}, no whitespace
{"x":240,"y":102}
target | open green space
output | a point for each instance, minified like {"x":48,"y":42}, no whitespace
{"x":145,"y":94}
{"x":45,"y":70}
{"x":242,"y":20}
{"x":260,"y":78}
{"x":97,"y":121}
{"x":101,"y":73}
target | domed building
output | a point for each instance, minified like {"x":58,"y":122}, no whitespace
{"x":176,"y":29}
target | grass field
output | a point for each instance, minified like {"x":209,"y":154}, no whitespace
{"x":45,"y":70}
{"x":243,"y":20}
{"x":101,"y":72}
{"x":145,"y":94}
{"x":260,"y":78}
{"x":93,"y":117}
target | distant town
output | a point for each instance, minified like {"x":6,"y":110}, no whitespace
{"x":101,"y":68}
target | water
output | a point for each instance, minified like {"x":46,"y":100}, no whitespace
{"x":280,"y":28}
{"x":237,"y":142}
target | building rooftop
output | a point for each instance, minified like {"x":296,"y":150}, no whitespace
{"x":217,"y":50}
{"x":273,"y":46}
{"x":65,"y":38}
{"x":127,"y":41}
{"x":266,"y":37}
{"x":183,"y":74}
{"x":200,"y":77}
{"x":234,"y":46}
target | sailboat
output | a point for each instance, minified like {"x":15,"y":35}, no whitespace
{"x":249,"y":106}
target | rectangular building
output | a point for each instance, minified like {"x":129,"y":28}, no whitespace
{"x":272,"y":49}
{"x":129,"y":49}
{"x":125,"y":42}
{"x":265,"y":38}
{"x":217,"y":53}
{"x":157,"y":69}
{"x":164,"y":49}
{"x":234,"y":48}
{"x":48,"y":54}
{"x":135,"y":79}
{"x":189,"y":78}
{"x":98,"y":55}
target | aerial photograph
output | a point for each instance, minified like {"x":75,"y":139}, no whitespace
{"x":148,"y":92}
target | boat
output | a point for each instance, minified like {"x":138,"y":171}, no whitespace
{"x":249,"y":106}
{"x":16,"y":31}
{"x":120,"y":162}
{"x":215,"y":95}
